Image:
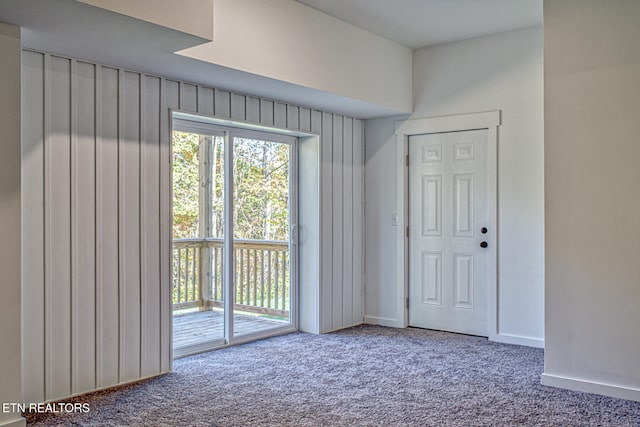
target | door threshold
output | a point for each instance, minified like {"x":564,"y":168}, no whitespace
{"x":204,"y":347}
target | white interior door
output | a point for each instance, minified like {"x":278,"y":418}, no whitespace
{"x":448,"y":232}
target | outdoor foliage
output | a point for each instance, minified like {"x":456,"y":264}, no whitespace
{"x":261,"y":188}
{"x":186,"y":185}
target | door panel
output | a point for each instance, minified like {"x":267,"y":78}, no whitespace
{"x":432,"y":205}
{"x":198,"y":236}
{"x":262,"y":224}
{"x":463,"y":205}
{"x":447,"y":209}
{"x":431,"y":278}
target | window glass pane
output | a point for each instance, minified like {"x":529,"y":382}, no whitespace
{"x":186,"y":188}
{"x":261,"y":216}
{"x":198,"y":239}
{"x":261,"y":192}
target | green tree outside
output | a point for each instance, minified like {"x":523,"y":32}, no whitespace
{"x":261,"y":188}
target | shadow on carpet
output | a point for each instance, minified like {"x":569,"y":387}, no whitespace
{"x":362,"y":376}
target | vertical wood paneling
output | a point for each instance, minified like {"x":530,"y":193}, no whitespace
{"x":58,"y":228}
{"x":97,"y":218}
{"x":266,"y":112}
{"x":168,"y":100}
{"x":172,"y":94}
{"x":238,"y":106}
{"x":129,"y":226}
{"x":316,"y":122}
{"x":33,"y":245}
{"x":347,"y":221}
{"x":280,"y":114}
{"x":253,"y":109}
{"x":305,"y":119}
{"x":188,"y":97}
{"x":338,"y":226}
{"x":316,"y":127}
{"x":205,"y":100}
{"x":358,"y":222}
{"x":107,"y":235}
{"x":150,"y":225}
{"x":223,"y":103}
{"x":326,"y":239}
{"x":83,"y":230}
{"x":293,"y":118}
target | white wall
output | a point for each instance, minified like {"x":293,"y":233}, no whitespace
{"x":592,"y":174}
{"x":188,"y":16}
{"x":288,"y":41}
{"x":499,"y":72}
{"x":96,"y":186}
{"x":10,"y":223}
{"x":380,"y":185}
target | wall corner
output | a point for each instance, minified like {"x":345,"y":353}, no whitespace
{"x":10,"y":225}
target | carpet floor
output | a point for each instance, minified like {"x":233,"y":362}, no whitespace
{"x":362,"y":376}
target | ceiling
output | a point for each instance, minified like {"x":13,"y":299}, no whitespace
{"x":422,"y":23}
{"x":121,"y":41}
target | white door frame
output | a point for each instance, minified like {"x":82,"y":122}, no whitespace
{"x":489,"y":120}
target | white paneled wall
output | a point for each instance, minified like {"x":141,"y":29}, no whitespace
{"x":97,"y":213}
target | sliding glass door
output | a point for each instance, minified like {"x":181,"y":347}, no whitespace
{"x":231,"y":182}
{"x":261,"y":233}
{"x":198,"y":236}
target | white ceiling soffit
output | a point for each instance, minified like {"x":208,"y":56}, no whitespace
{"x":77,"y":29}
{"x":74,"y":29}
{"x":422,"y":23}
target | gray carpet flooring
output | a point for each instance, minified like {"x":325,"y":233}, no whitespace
{"x":363,"y":376}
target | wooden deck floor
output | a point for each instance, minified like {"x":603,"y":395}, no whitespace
{"x":202,"y":326}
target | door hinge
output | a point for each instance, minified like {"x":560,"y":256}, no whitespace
{"x":406,"y":160}
{"x":407,"y":302}
{"x":407,"y":232}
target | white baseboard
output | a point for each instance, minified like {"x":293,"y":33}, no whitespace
{"x":382,"y":321}
{"x":577,"y":384}
{"x":340,"y":328}
{"x":501,"y":338}
{"x":518,"y":340}
{"x":19,"y":422}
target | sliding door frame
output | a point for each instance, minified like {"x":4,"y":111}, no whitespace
{"x":230,"y":130}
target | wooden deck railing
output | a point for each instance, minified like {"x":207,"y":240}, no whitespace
{"x":262,"y":275}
